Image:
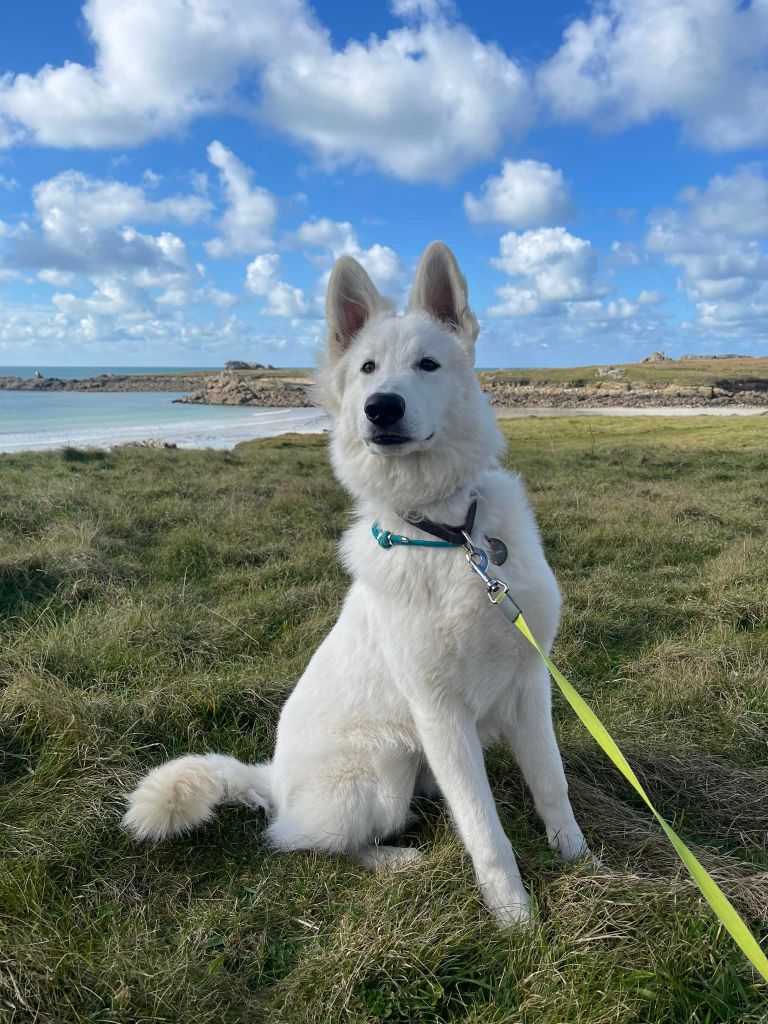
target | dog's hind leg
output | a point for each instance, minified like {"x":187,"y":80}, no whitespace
{"x":346,"y":803}
{"x":388,"y":858}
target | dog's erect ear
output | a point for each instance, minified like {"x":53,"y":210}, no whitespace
{"x":439,"y":289}
{"x":352,"y":299}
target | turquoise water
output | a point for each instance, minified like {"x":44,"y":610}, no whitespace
{"x":40,"y":419}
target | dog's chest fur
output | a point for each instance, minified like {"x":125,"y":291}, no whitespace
{"x":428,"y":602}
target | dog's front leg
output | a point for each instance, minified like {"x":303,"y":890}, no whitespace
{"x":452,"y":746}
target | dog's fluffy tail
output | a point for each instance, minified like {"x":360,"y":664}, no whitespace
{"x":184,"y":793}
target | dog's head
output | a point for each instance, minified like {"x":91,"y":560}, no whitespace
{"x":410,"y":422}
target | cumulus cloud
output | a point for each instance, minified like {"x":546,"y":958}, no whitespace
{"x":156,"y":67}
{"x":423,"y":102}
{"x":42,"y":334}
{"x":647,"y":297}
{"x":262,"y":278}
{"x":550,"y":267}
{"x":716,"y":237}
{"x":700,"y":61}
{"x":251,"y":210}
{"x":526,"y":194}
{"x":422,"y":8}
{"x":556,"y":300}
{"x":57,"y":278}
{"x":324,"y":240}
{"x":68,"y":201}
{"x":83,"y":228}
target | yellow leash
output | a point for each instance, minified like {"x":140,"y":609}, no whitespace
{"x":498,"y":594}
{"x":722,"y":906}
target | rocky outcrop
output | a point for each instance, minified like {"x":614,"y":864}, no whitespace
{"x":616,"y":393}
{"x":238,"y":364}
{"x":657,"y":357}
{"x":260,"y":391}
{"x":105,"y":382}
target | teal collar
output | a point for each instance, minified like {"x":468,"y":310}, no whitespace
{"x":387,"y":539}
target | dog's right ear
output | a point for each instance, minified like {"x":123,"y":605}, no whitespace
{"x":352,"y":299}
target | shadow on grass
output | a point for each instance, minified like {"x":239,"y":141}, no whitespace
{"x":26,"y":581}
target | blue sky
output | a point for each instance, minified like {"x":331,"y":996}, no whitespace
{"x":176,"y":179}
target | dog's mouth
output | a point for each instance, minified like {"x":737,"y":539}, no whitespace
{"x":389,"y":440}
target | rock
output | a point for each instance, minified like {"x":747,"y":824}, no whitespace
{"x":238,"y":364}
{"x":657,"y":357}
{"x":616,"y":372}
{"x":260,"y":391}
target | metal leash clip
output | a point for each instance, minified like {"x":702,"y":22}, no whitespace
{"x":477,"y":558}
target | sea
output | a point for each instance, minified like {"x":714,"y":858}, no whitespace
{"x":36,"y":420}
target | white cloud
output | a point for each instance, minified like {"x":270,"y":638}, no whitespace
{"x":736,"y":203}
{"x":716,"y":236}
{"x":262,"y":278}
{"x":423,"y":102}
{"x":8,"y":184}
{"x":57,"y":278}
{"x":551,"y":267}
{"x":45,"y":335}
{"x":700,"y":61}
{"x":156,"y":67}
{"x":72,"y":200}
{"x":262,"y":273}
{"x":324,"y":240}
{"x":557,"y":301}
{"x":84,"y":230}
{"x":113,"y":296}
{"x":428,"y":9}
{"x":251,"y":210}
{"x":626,"y":254}
{"x":526,"y":194}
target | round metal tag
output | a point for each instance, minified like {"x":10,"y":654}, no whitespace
{"x":497,"y":550}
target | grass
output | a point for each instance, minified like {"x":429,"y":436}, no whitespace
{"x":154,"y":602}
{"x":733,"y":374}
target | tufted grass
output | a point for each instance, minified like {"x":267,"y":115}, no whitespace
{"x":154,"y":602}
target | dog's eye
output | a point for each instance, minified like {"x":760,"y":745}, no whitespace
{"x":368,"y":366}
{"x":430,"y":365}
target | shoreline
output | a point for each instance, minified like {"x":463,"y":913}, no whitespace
{"x":273,"y":422}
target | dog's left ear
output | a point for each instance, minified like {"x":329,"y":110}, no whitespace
{"x":440,"y":289}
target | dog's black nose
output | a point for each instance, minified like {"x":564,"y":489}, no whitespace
{"x":384,"y":408}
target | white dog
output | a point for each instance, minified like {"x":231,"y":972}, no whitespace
{"x":420,"y":670}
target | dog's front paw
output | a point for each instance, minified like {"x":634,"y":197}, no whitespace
{"x":507,"y":899}
{"x":569,"y":843}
